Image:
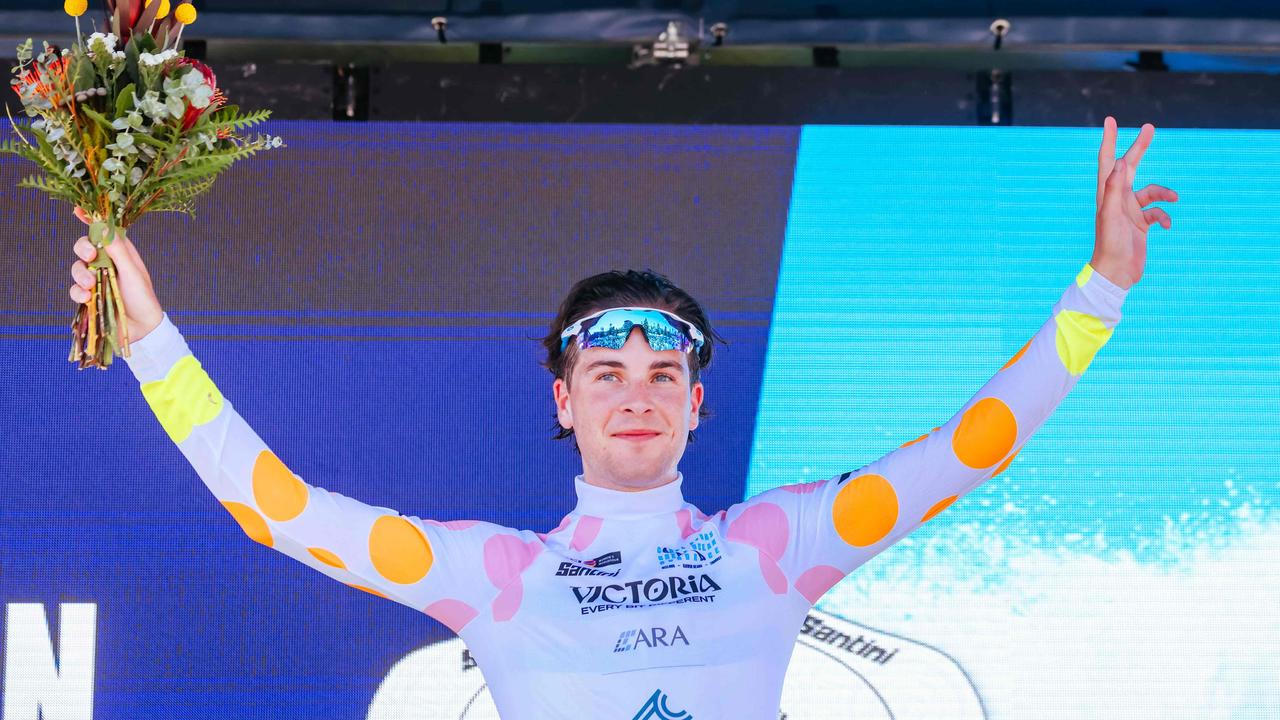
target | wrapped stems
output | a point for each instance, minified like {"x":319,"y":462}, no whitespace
{"x":100,"y":329}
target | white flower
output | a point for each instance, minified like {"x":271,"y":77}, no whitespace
{"x":55,"y":133}
{"x":153,"y":60}
{"x":112,"y":165}
{"x":107,"y":42}
{"x":276,"y":142}
{"x":135,"y":176}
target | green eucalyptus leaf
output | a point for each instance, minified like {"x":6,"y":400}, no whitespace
{"x":97,"y":231}
{"x":124,"y":101}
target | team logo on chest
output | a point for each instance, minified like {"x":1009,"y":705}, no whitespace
{"x":650,"y":638}
{"x":576,"y":568}
{"x":702,"y":550}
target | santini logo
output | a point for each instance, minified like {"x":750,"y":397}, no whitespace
{"x":656,"y":708}
{"x":574,"y":568}
{"x":655,"y":637}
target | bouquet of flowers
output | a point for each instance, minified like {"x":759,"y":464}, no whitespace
{"x":119,"y":125}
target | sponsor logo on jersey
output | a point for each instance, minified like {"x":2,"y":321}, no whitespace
{"x":646,"y":593}
{"x":658,"y":707}
{"x":700,"y":551}
{"x":575,"y":568}
{"x":652,"y":637}
{"x":861,"y":646}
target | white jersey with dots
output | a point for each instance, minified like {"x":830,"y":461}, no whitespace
{"x":638,"y":605}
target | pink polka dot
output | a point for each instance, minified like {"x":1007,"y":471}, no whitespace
{"x":455,"y":614}
{"x":684,"y":520}
{"x":763,"y":526}
{"x":564,"y":523}
{"x":586,"y":531}
{"x":508,"y":601}
{"x":702,"y":517}
{"x":453,"y":524}
{"x":803,"y":488}
{"x":816,"y":581}
{"x":773,"y":575}
{"x":506,"y":556}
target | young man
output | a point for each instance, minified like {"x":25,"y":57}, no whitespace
{"x":639,"y":605}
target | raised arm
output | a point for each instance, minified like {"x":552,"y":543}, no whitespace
{"x":818,"y":532}
{"x":443,"y":569}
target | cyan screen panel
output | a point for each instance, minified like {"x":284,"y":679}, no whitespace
{"x":1140,"y":521}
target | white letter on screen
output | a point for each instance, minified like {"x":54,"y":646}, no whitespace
{"x":35,"y":685}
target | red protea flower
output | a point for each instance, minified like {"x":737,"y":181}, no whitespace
{"x":192,"y":115}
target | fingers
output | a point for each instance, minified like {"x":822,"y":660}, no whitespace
{"x":1117,"y":185}
{"x":1156,"y":215}
{"x":1134,"y":154}
{"x":1156,"y":193}
{"x":1107,"y":151}
{"x":85,"y":249}
{"x":82,"y":216}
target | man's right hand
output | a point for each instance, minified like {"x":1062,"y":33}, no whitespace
{"x":142,"y":308}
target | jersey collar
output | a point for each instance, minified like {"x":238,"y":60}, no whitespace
{"x":602,"y":502}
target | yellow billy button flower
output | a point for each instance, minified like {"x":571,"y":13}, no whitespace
{"x":185,"y":14}
{"x":75,"y":8}
{"x":163,"y":12}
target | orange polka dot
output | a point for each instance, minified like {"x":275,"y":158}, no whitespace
{"x":280,"y":495}
{"x":985,"y":434}
{"x":371,"y":591}
{"x":1017,"y":356}
{"x":913,"y":442}
{"x":327,"y":557}
{"x":250,"y":522}
{"x":1005,"y":465}
{"x":398,"y":550}
{"x":938,"y":507}
{"x":865,"y":510}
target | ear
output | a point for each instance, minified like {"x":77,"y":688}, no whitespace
{"x":695,"y":394}
{"x":560,"y":389}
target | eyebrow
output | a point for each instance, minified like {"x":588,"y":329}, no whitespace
{"x":656,"y":365}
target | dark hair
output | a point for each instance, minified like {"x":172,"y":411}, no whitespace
{"x":619,"y":288}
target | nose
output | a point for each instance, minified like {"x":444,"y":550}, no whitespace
{"x":637,"y":400}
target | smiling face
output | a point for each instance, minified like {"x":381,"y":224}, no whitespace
{"x":631,"y":411}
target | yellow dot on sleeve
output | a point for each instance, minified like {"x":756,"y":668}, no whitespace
{"x":986,"y":433}
{"x":327,"y":557}
{"x":250,"y":522}
{"x":865,"y":510}
{"x":185,"y":398}
{"x":279,"y":494}
{"x":399,"y":551}
{"x":1079,"y":338}
{"x":938,"y":507}
{"x":1085,"y":274}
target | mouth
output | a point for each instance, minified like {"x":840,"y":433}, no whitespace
{"x":637,"y":435}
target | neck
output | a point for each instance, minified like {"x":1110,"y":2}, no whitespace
{"x":604,"y":480}
{"x":606,"y":502}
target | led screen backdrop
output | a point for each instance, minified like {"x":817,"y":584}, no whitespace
{"x":370,"y":299}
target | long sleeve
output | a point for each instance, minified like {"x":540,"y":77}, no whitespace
{"x":434,"y":567}
{"x":821,"y":531}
